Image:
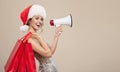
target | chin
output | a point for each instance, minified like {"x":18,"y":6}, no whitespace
{"x":36,"y":29}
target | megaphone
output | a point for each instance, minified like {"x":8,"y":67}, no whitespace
{"x":62,"y":21}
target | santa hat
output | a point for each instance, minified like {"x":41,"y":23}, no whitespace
{"x":29,"y":12}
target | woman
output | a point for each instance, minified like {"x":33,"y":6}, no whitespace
{"x":33,"y":19}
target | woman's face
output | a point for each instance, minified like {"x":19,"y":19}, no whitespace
{"x":36,"y":22}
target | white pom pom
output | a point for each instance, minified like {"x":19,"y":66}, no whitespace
{"x":24,"y":28}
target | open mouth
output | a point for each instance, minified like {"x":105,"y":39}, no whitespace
{"x":38,"y":25}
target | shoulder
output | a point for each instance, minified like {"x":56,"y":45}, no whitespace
{"x":33,"y":41}
{"x":30,"y":40}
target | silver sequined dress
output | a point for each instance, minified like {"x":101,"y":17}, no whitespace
{"x":45,"y":64}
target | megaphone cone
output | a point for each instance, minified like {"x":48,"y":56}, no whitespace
{"x":62,"y":21}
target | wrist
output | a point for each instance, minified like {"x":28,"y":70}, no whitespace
{"x":56,"y":36}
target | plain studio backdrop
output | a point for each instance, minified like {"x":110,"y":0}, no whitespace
{"x":91,"y":45}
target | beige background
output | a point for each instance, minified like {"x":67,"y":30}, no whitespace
{"x":91,"y":45}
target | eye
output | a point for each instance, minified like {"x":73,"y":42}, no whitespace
{"x":42,"y":19}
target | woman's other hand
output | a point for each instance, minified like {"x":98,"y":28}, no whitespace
{"x":35,"y":36}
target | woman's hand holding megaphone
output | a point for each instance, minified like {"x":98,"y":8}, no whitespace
{"x":58,"y":31}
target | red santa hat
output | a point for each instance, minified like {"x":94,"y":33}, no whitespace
{"x":29,"y":12}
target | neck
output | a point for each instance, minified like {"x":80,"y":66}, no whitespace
{"x":31,"y":30}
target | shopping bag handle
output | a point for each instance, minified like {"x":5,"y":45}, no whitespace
{"x":27,"y":36}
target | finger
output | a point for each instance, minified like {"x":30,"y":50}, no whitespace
{"x":60,"y":32}
{"x":59,"y":27}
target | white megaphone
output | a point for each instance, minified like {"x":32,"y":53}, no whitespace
{"x":62,"y":21}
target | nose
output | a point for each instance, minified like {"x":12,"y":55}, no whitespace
{"x":40,"y":21}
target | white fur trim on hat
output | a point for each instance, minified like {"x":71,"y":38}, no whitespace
{"x":37,"y":10}
{"x":24,"y":28}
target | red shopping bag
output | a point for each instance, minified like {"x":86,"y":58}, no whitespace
{"x":21,"y":58}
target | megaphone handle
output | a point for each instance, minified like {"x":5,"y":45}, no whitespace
{"x":57,"y":25}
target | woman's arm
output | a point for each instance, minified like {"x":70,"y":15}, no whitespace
{"x":41,"y":47}
{"x":55,"y":39}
